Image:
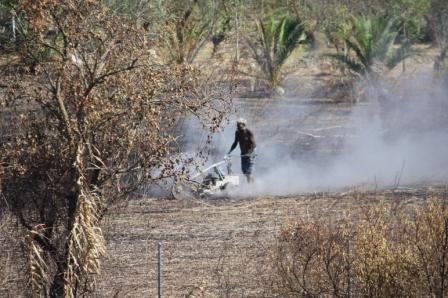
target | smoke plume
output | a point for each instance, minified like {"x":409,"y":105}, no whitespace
{"x":398,"y":136}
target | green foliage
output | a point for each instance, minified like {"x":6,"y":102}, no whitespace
{"x":128,"y":6}
{"x":370,"y":46}
{"x":275,"y":41}
{"x":410,"y":17}
{"x":7,"y":4}
{"x":438,"y":19}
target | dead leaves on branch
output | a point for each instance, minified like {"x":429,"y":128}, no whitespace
{"x":91,"y":124}
{"x":40,"y":13}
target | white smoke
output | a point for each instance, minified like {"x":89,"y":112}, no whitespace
{"x":398,"y":137}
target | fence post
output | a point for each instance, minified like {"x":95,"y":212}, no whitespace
{"x":159,"y":274}
{"x":13,"y":25}
{"x":349,"y":286}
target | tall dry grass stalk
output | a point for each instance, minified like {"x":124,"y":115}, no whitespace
{"x":37,"y":264}
{"x":86,"y":243}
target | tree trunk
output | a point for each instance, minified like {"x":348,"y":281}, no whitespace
{"x":57,"y":288}
{"x":440,"y":59}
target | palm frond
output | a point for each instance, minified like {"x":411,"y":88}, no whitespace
{"x":370,"y":42}
{"x":383,"y":38}
{"x":360,"y":50}
{"x":277,"y":38}
{"x":291,"y":34}
{"x":352,"y":64}
{"x":397,"y":56}
{"x":362,"y":35}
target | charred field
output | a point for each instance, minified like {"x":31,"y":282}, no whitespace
{"x":221,"y":246}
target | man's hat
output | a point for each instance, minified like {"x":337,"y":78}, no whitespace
{"x":242,"y":121}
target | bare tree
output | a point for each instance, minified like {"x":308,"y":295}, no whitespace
{"x":90,"y":125}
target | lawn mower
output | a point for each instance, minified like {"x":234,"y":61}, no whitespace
{"x":211,"y":181}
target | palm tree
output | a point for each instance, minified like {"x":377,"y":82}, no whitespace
{"x":191,"y":26}
{"x":188,"y":34}
{"x":370,"y":46}
{"x":275,"y":41}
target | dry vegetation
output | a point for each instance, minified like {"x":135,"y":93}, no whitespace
{"x":90,"y":123}
{"x":234,"y":248}
{"x":363,"y":243}
{"x":391,"y":251}
{"x":90,"y":113}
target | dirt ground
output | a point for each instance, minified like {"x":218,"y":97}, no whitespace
{"x":218,"y":246}
{"x":221,"y":247}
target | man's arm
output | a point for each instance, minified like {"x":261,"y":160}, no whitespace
{"x":234,"y":143}
{"x":252,"y":142}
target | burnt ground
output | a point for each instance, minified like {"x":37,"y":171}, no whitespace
{"x":221,"y":246}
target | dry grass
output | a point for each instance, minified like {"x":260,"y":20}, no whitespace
{"x":221,"y":247}
{"x":12,"y":262}
{"x":210,"y":248}
{"x":394,"y":250}
{"x":5,"y":263}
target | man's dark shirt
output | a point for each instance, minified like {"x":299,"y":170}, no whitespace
{"x":246,"y":140}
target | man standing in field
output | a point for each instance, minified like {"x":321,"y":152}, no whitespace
{"x":245,"y":138}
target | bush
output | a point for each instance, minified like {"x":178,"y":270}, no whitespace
{"x":386,"y":254}
{"x":312,"y":259}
